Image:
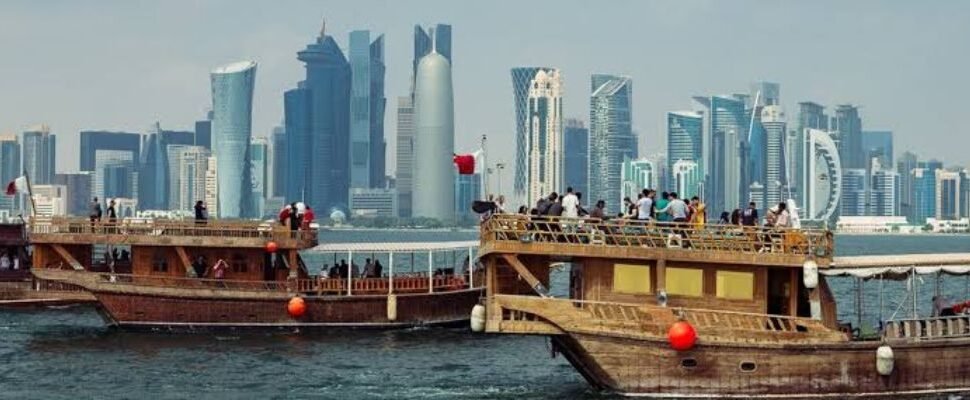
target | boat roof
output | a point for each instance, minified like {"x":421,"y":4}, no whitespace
{"x":899,"y":265}
{"x":388,"y":247}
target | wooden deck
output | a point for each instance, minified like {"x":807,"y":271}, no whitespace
{"x":626,"y":239}
{"x":164,"y":232}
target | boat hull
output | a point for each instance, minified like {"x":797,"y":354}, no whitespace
{"x":652,"y":369}
{"x":366,"y":311}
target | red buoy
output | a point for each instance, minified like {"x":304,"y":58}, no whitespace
{"x":271,"y":247}
{"x":682,"y":336}
{"x":296,"y":307}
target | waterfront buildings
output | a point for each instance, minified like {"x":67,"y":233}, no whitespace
{"x":153,"y":166}
{"x":468,"y":188}
{"x":822,"y":181}
{"x":948,"y":194}
{"x":187,"y":169}
{"x":636,"y":175}
{"x":78,"y":186}
{"x":537,"y":93}
{"x":847,"y":128}
{"x":278,"y":155}
{"x":810,"y":116}
{"x":259,"y":166}
{"x":854,"y":192}
{"x":576,"y":156}
{"x":232,"y":106}
{"x":611,"y":139}
{"x":878,"y":144}
{"x":433,"y":188}
{"x":726,"y":127}
{"x":685,"y":140}
{"x":367,"y":104}
{"x":38,"y":154}
{"x":51,"y":200}
{"x":775,"y":176}
{"x":203,"y":132}
{"x":686,"y":179}
{"x":405,"y":153}
{"x":212,"y":186}
{"x":923,"y":194}
{"x":317,"y":121}
{"x":94,"y":141}
{"x":883,"y":191}
{"x":9,"y":170}
{"x":373,"y":202}
{"x":904,"y":166}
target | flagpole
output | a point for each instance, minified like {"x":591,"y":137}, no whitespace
{"x":30,"y":193}
{"x":484,"y":174}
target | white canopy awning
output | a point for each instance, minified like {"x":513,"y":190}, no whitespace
{"x":395,"y":247}
{"x":899,"y":266}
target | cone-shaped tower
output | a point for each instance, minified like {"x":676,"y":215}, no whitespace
{"x":434,"y":173}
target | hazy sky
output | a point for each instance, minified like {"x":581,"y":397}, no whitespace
{"x":121,"y":65}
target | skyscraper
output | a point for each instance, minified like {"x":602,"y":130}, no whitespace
{"x":686,"y":178}
{"x":423,"y":44}
{"x":636,"y":175}
{"x":904,"y":167}
{"x":9,"y":170}
{"x":468,"y":188}
{"x":405,"y":154}
{"x":278,"y":150}
{"x":924,"y":195}
{"x":823,"y":181}
{"x":947,"y":196}
{"x":775,"y":177}
{"x":848,"y":131}
{"x":433,"y":188}
{"x":203,"y":132}
{"x":576,"y":156}
{"x":78,"y":191}
{"x":153,"y":177}
{"x":727,"y":125}
{"x":259,"y":153}
{"x":187,"y":168}
{"x":610,"y":136}
{"x":810,"y":116}
{"x":367,"y":110}
{"x":855,"y":193}
{"x":39,"y":153}
{"x":317,"y":124}
{"x":118,"y":150}
{"x":232,"y":108}
{"x":685,"y":139}
{"x":94,"y":141}
{"x":538,"y":139}
{"x":767,"y":93}
{"x":883,"y":191}
{"x":878,"y":144}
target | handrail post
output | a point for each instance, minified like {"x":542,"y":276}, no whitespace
{"x":471,"y":269}
{"x":430,"y":271}
{"x":390,"y":273}
{"x":350,"y":270}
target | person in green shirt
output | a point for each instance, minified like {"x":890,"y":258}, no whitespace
{"x":662,"y":204}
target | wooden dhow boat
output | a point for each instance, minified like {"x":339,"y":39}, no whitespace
{"x":716,"y":312}
{"x":156,"y":273}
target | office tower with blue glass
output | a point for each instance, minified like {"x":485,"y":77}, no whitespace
{"x":367,"y":105}
{"x":611,"y":138}
{"x":153,"y":165}
{"x":848,"y":133}
{"x":685,"y":139}
{"x":39,"y":153}
{"x":576,"y":157}
{"x":232,"y":117}
{"x":878,"y":144}
{"x":317,"y":121}
{"x":9,"y":170}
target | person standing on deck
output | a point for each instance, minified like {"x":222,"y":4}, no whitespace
{"x":112,"y":214}
{"x":662,"y":204}
{"x":599,"y":211}
{"x":570,"y":204}
{"x":645,"y":206}
{"x":677,"y":209}
{"x":95,"y":212}
{"x":749,"y":217}
{"x":629,"y":208}
{"x":783,"y":218}
{"x":200,"y":212}
{"x":699,"y":215}
{"x":294,"y":217}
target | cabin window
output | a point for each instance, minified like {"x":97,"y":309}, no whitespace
{"x":238,"y":264}
{"x":735,"y":285}
{"x":688,"y":363}
{"x":748,"y":366}
{"x":685,"y":281}
{"x":632,"y":279}
{"x":159,"y":263}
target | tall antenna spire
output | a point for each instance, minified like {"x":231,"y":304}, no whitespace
{"x":323,"y":28}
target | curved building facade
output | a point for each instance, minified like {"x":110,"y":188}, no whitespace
{"x":232,"y":109}
{"x":823,"y":178}
{"x":433,"y":191}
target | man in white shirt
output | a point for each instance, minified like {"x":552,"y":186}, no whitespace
{"x":645,"y":205}
{"x":570,"y":204}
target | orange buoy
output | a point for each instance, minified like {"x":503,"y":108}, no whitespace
{"x":296,"y":307}
{"x":682,"y":336}
{"x":271,"y":247}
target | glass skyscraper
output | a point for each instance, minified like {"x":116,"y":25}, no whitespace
{"x":576,"y":157}
{"x":878,"y":144}
{"x":367,"y":110}
{"x":727,"y":125}
{"x":775,"y":180}
{"x":9,"y":170}
{"x":259,"y":152}
{"x":317,"y":124}
{"x":232,"y":117}
{"x":685,"y":139}
{"x":153,"y":176}
{"x":610,"y":137}
{"x":39,"y":153}
{"x":636,"y":175}
{"x":538,"y":139}
{"x":848,"y":133}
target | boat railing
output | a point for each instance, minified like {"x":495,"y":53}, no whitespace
{"x":927,"y":328}
{"x":632,"y":233}
{"x":192,"y":283}
{"x":268,"y":230}
{"x":412,"y":283}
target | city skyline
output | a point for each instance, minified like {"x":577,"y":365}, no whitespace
{"x":114,"y":97}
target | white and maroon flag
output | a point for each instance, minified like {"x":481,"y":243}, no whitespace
{"x":469,"y":164}
{"x":18,"y":185}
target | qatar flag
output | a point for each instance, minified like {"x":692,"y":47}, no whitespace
{"x":18,"y":185}
{"x":468,"y":164}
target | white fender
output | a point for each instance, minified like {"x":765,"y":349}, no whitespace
{"x":392,"y":307}
{"x":810,"y":274}
{"x":884,"y":360}
{"x":816,"y":309}
{"x":478,"y":318}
